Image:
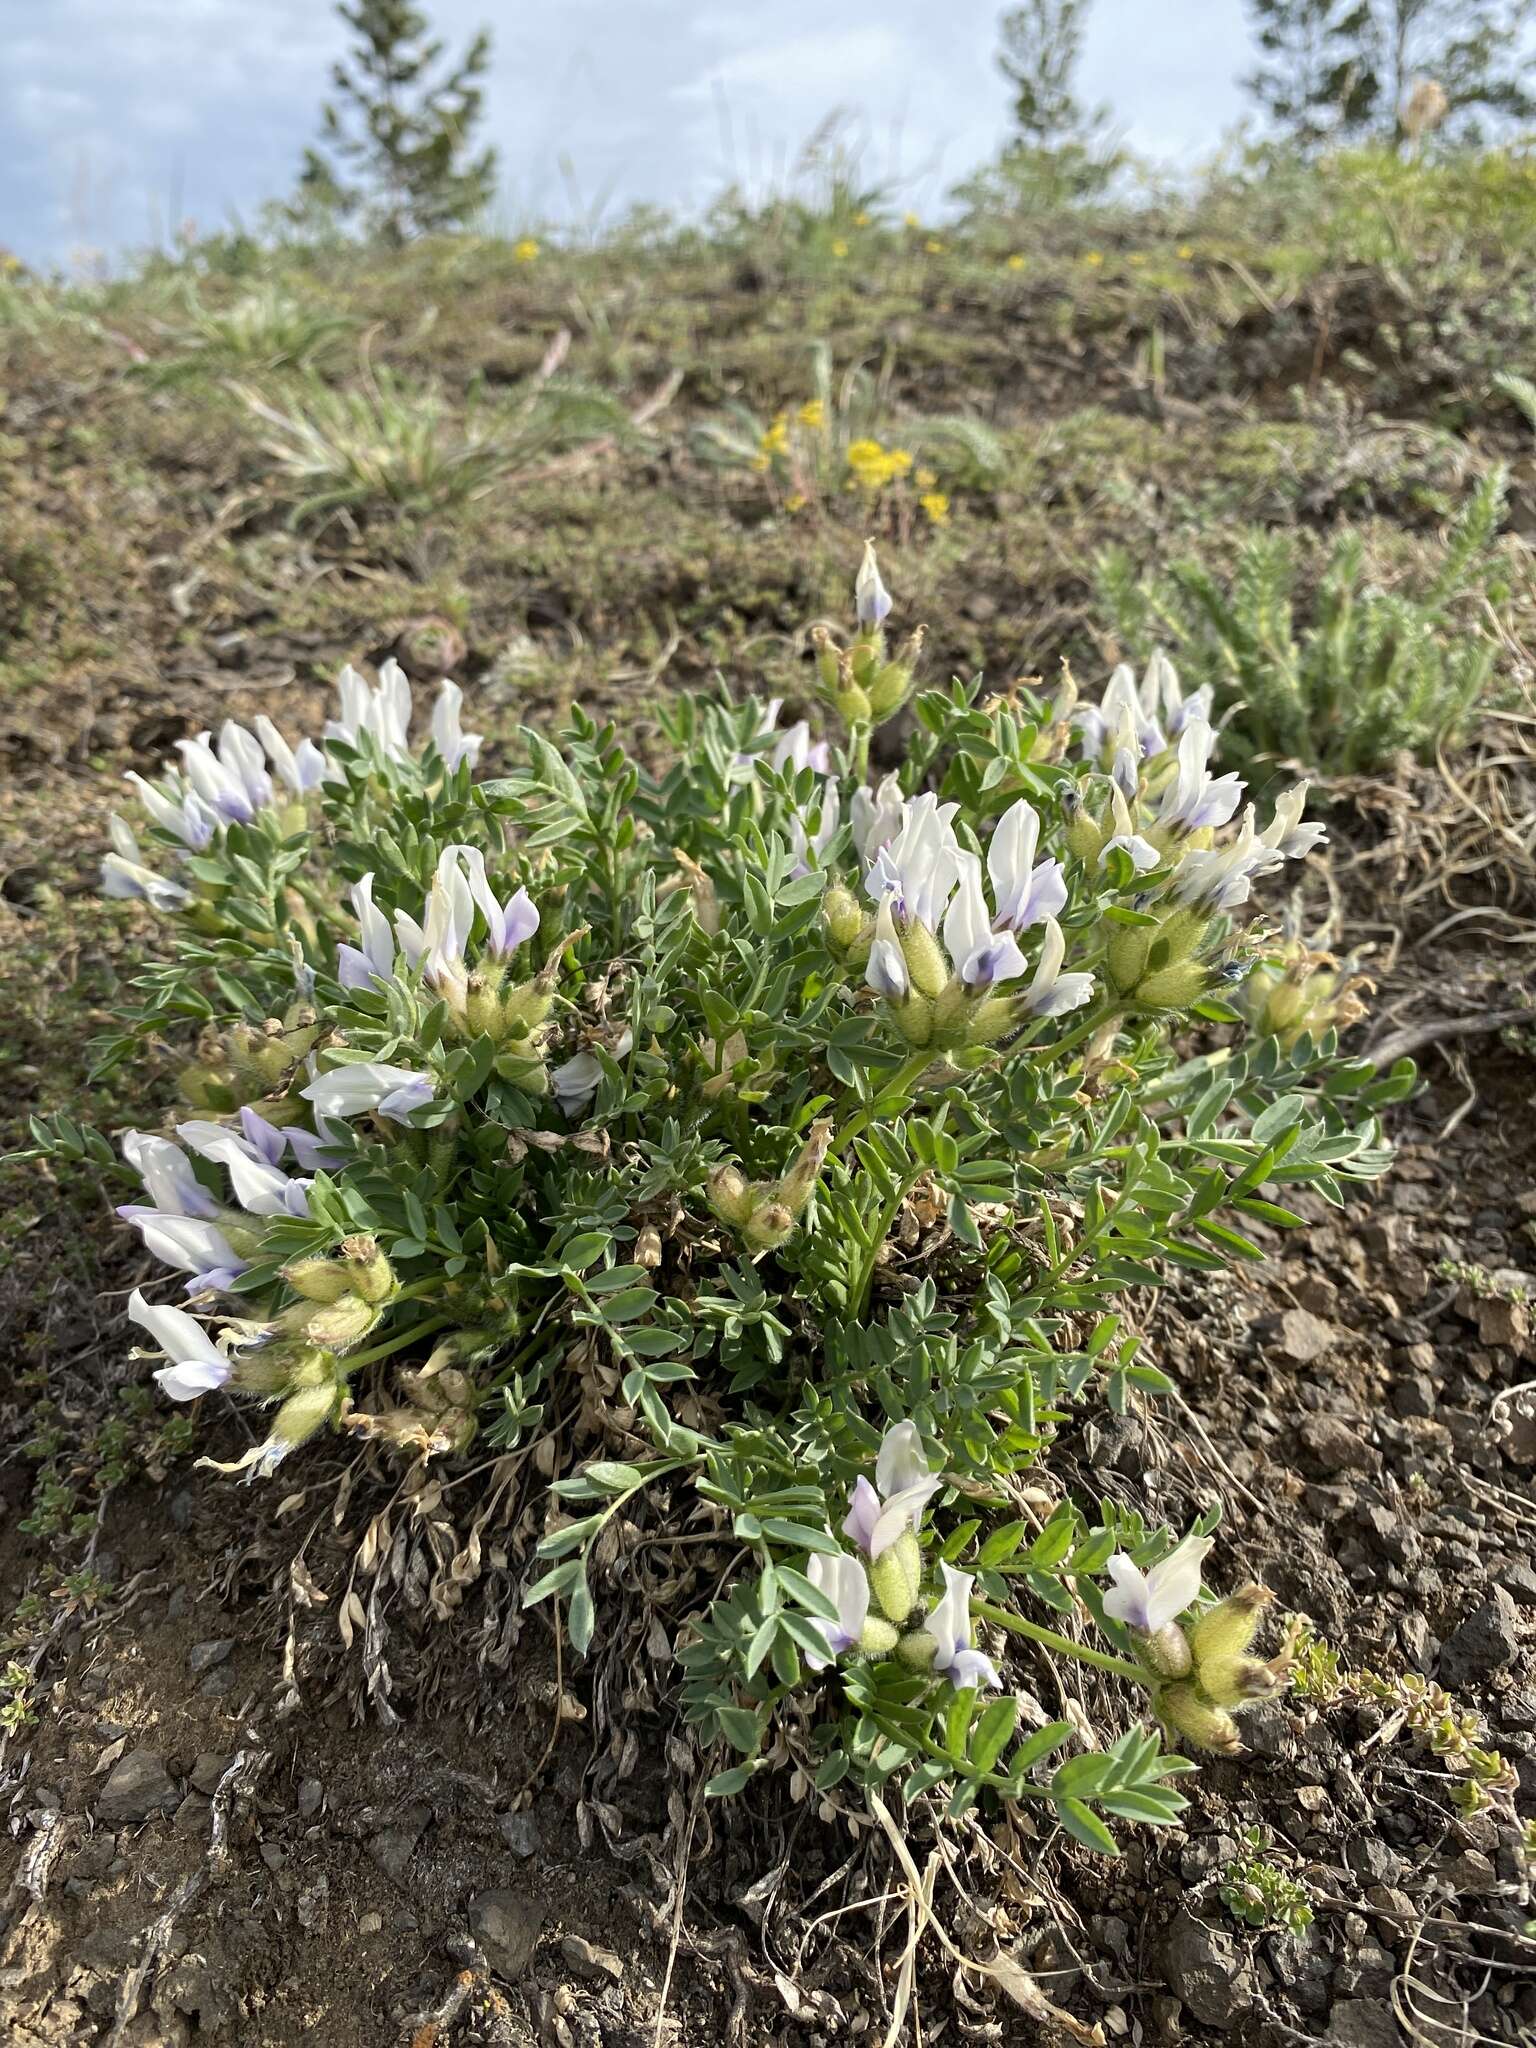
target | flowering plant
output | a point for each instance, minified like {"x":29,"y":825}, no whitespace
{"x":763,"y":1145}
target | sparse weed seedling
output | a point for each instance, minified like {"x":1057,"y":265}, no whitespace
{"x":1259,"y":1892}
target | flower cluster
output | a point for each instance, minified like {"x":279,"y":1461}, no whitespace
{"x":777,"y":1101}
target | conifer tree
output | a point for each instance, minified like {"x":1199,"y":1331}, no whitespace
{"x":394,"y":147}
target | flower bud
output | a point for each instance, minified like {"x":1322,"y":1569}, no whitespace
{"x":337,"y":1325}
{"x":878,"y":1638}
{"x":843,"y":916}
{"x":890,"y":686}
{"x":1173,"y":988}
{"x":926,"y":962}
{"x":729,"y":1194}
{"x":318,"y":1279}
{"x":795,"y":1188}
{"x":1226,"y":1630}
{"x":1207,"y":1727}
{"x":1166,"y":1651}
{"x":371,"y":1274}
{"x":1085,"y":837}
{"x":482,"y":1004}
{"x":769,"y":1225}
{"x":1126,"y":956}
{"x":524,"y":1008}
{"x":301,"y":1415}
{"x":917,"y":1650}
{"x":895,"y":1575}
{"x":914,"y":1020}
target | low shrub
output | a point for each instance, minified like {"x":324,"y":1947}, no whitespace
{"x":1368,"y":672}
{"x":765,"y":1150}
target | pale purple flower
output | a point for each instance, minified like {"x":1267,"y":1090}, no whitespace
{"x":1027,"y":891}
{"x":885,"y":971}
{"x":1148,"y":1601}
{"x":981,"y":956}
{"x":229,"y":779}
{"x":124,"y":877}
{"x":879,"y":1514}
{"x":507,"y":925}
{"x":794,"y":749}
{"x":261,"y":1187}
{"x":369,"y":1085}
{"x":846,"y":1584}
{"x":876,"y":819}
{"x":360,"y":966}
{"x":919,"y":866}
{"x":301,"y":768}
{"x":1144,"y":855}
{"x":949,"y":1624}
{"x":808,"y":843}
{"x":451,"y":741}
{"x":575,"y":1082}
{"x":1285,"y":833}
{"x":1195,"y":799}
{"x":176,"y":809}
{"x":1222,"y":877}
{"x":1123,"y":715}
{"x":380,"y":712}
{"x":189,"y":1243}
{"x":872,"y":600}
{"x":1052,"y":993}
{"x":168,"y":1176}
{"x":197,"y":1365}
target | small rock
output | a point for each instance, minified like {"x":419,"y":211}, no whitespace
{"x":310,"y":1794}
{"x":1334,"y":1447}
{"x":191,"y":1817}
{"x":1366,"y":1971}
{"x":203,"y":1656}
{"x":393,"y":1847}
{"x":506,"y":1925}
{"x":1203,"y":1855}
{"x":1519,"y":1582}
{"x":520,"y":1832}
{"x":370,"y":1923}
{"x":207,"y":1769}
{"x":1483,"y":1642}
{"x":1302,"y":1336}
{"x":1209,"y":1972}
{"x":139,"y":1785}
{"x":1415,"y":1394}
{"x":600,"y":1965}
{"x":1363,"y":2023}
{"x":1372,"y":1861}
{"x":1505,"y":1323}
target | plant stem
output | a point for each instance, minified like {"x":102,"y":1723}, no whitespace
{"x":1016,"y":1625}
{"x":903,"y":1077}
{"x":396,"y":1343}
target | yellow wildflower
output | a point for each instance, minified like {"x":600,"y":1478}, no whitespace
{"x":1136,"y":259}
{"x":839,"y":247}
{"x":1186,"y":254}
{"x":861,"y":220}
{"x":1017,"y":262}
{"x":936,"y":505}
{"x":900,"y":461}
{"x":912,"y":221}
{"x":934,"y":246}
{"x":1094,"y":258}
{"x":796,"y":502}
{"x":925,"y":479}
{"x":525,"y":251}
{"x":812,"y":414}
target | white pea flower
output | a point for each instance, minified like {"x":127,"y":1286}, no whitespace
{"x":1285,"y":833}
{"x":191,"y":1244}
{"x":508,"y":925}
{"x":982,"y":957}
{"x":1144,"y":855}
{"x":381,"y":712}
{"x":360,"y":966}
{"x":124,"y":876}
{"x":168,"y":1176}
{"x":369,"y":1085}
{"x":886,"y":968}
{"x":1222,"y":877}
{"x":879,"y":1514}
{"x":872,"y":601}
{"x":807,"y":843}
{"x":1027,"y":891}
{"x":846,"y":1584}
{"x":1196,"y":799}
{"x":197,"y":1365}
{"x":575,"y":1082}
{"x":301,"y":768}
{"x":451,"y":741}
{"x":917,"y":869}
{"x":229,"y":778}
{"x":1148,"y":1601}
{"x":876,"y":819}
{"x":1052,"y":993}
{"x":949,"y":1624}
{"x":261,"y":1188}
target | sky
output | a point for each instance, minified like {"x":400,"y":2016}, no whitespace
{"x":123,"y":118}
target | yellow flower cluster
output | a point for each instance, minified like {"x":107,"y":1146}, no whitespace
{"x":874,"y":465}
{"x":525,"y":251}
{"x":936,"y":505}
{"x":812,"y":414}
{"x":772,"y":444}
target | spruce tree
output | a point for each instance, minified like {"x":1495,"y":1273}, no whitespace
{"x":1342,"y":69}
{"x":1041,"y":48}
{"x":394,"y":142}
